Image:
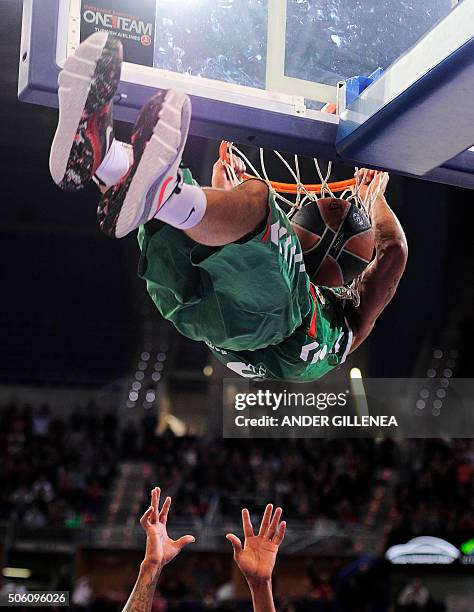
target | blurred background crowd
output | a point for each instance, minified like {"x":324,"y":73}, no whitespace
{"x":61,"y":472}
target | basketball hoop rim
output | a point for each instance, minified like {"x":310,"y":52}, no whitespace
{"x":290,"y":188}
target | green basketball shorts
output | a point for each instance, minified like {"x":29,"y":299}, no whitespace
{"x":251,"y":301}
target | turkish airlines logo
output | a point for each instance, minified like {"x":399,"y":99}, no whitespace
{"x":130,"y":25}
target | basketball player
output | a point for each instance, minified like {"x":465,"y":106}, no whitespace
{"x":216,"y":261}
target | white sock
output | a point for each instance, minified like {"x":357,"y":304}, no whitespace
{"x":115,"y":164}
{"x":185,"y":209}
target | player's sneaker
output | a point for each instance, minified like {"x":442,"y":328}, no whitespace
{"x":159,"y":136}
{"x":87,"y":85}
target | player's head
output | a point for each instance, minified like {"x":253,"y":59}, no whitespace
{"x":337,"y":240}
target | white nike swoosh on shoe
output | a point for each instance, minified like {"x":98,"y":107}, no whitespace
{"x":109,"y":137}
{"x":156,"y":175}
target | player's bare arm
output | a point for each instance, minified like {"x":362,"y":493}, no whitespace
{"x":243,"y":209}
{"x":380,"y":280}
{"x":160,"y":550}
{"x":256,"y":558}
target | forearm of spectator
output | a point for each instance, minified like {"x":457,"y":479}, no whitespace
{"x":262,"y":596}
{"x":141,"y":598}
{"x":160,"y":550}
{"x":256,"y":558}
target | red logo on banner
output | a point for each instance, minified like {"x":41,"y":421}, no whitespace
{"x":146,"y":40}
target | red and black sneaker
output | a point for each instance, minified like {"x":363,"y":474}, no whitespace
{"x":159,"y":136}
{"x":87,"y":86}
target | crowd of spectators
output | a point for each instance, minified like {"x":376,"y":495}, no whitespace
{"x":311,"y":479}
{"x":435,"y":491}
{"x":57,"y":470}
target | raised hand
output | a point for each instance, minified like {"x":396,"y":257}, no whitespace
{"x":220,"y":178}
{"x":372,"y":186}
{"x":256,"y":558}
{"x":160,"y":548}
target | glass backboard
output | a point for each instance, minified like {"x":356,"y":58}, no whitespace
{"x":283,"y":55}
{"x":258,"y":71}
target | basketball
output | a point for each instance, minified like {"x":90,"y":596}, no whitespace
{"x":337,"y":240}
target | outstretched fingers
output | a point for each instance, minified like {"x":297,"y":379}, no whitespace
{"x":184,"y":541}
{"x":163,"y":517}
{"x":280,"y":534}
{"x":272,"y":528}
{"x":146,"y":519}
{"x":267,"y":515}
{"x":236,"y":543}
{"x":158,"y":515}
{"x":155,"y":502}
{"x":247,"y":524}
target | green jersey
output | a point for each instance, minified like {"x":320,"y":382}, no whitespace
{"x":251,"y":301}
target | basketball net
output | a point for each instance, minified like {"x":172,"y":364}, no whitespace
{"x":306,"y":194}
